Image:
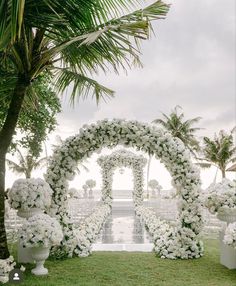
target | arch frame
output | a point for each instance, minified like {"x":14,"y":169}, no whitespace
{"x":118,"y":159}
{"x":147,"y":138}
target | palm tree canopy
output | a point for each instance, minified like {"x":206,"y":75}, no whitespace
{"x":220,"y":150}
{"x":26,"y":164}
{"x":70,"y":40}
{"x":180,"y":128}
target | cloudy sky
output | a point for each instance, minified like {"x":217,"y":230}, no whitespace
{"x":190,"y":62}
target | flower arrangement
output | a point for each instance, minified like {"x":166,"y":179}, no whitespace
{"x":122,"y":158}
{"x":170,"y":241}
{"x":6,"y":265}
{"x":89,"y":230}
{"x":30,"y":193}
{"x":40,"y":230}
{"x":221,"y":196}
{"x":145,"y":137}
{"x":230,"y":235}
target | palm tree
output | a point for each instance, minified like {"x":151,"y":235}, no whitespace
{"x":219,"y":151}
{"x":180,"y":128}
{"x":26,"y":163}
{"x":67,"y":40}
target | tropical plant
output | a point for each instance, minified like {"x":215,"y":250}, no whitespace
{"x":67,"y":40}
{"x":26,"y":163}
{"x":179,"y":127}
{"x":219,"y":151}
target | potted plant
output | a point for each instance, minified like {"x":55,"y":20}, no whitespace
{"x":30,"y":196}
{"x":40,"y":233}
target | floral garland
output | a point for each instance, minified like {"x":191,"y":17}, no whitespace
{"x":221,"y":195}
{"x":89,"y":230}
{"x":170,"y":241}
{"x":171,"y":151}
{"x":117,"y":159}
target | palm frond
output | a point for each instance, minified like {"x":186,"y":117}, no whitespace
{"x":82,"y":85}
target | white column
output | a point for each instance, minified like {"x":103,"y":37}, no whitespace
{"x":227,"y":253}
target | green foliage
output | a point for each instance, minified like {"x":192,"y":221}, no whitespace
{"x":135,"y":268}
{"x":220,"y":151}
{"x":26,"y":164}
{"x":72,"y":40}
{"x":180,"y":128}
{"x":37,"y":117}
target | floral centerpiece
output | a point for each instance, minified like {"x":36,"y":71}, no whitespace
{"x":230,"y":235}
{"x":221,"y":197}
{"x":40,"y":230}
{"x":30,"y":193}
{"x":39,"y":233}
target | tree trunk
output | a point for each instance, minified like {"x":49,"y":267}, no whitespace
{"x":6,"y":135}
{"x":223,"y":173}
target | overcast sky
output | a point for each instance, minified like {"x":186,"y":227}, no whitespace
{"x":190,"y":62}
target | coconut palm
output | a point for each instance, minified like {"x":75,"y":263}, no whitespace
{"x":26,"y":163}
{"x":176,"y":124}
{"x":68,"y":40}
{"x":219,"y":151}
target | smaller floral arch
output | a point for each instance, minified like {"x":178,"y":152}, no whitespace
{"x":117,"y":159}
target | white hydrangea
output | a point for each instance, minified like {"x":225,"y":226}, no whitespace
{"x":6,"y":265}
{"x":220,"y":195}
{"x":230,"y":235}
{"x":40,"y":230}
{"x":30,"y":193}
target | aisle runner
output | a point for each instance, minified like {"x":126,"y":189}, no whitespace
{"x":123,"y":231}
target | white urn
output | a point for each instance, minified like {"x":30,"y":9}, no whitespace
{"x":29,"y":212}
{"x":39,"y":255}
{"x":227,"y":214}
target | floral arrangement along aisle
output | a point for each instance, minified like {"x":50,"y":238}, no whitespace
{"x":171,"y":151}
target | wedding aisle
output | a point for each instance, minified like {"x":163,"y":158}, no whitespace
{"x":123,"y":230}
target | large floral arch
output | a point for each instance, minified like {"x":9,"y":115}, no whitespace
{"x":122,"y":158}
{"x":171,"y":151}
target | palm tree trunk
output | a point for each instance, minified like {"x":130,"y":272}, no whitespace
{"x":6,"y":135}
{"x":223,"y":173}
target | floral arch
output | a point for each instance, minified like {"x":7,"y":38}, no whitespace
{"x":179,"y":241}
{"x":122,"y":158}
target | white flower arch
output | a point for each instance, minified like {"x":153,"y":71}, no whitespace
{"x":122,"y":158}
{"x":148,"y":138}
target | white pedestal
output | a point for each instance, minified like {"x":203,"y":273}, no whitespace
{"x":227,"y":254}
{"x":24,"y":254}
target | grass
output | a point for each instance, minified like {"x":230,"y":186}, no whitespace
{"x":135,"y":269}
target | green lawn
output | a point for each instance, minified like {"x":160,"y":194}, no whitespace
{"x":125,"y":269}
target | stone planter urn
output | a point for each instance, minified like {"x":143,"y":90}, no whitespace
{"x":39,"y":255}
{"x":28,"y":213}
{"x":24,"y":254}
{"x":227,"y":214}
{"x":227,"y":253}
